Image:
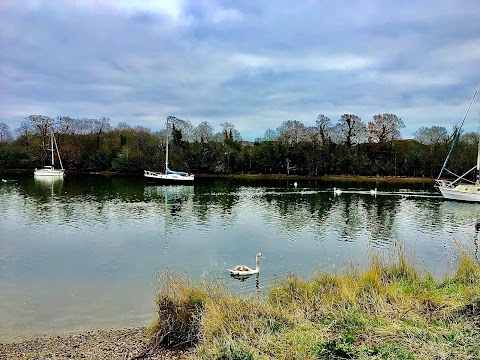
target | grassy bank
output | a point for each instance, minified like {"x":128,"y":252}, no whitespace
{"x":350,"y":178}
{"x":387,"y":311}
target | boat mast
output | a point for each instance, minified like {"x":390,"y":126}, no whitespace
{"x":477,"y":175}
{"x":51,"y":146}
{"x":457,"y":135}
{"x":166,"y":153}
{"x":478,"y":165}
{"x":58,"y":152}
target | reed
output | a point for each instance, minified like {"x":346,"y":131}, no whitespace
{"x":387,"y":311}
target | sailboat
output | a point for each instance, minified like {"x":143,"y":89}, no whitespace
{"x":169,"y":176}
{"x":461,"y":189}
{"x":49,"y":170}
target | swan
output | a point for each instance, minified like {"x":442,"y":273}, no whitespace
{"x":337,"y":191}
{"x":242,"y":270}
{"x":374,"y":192}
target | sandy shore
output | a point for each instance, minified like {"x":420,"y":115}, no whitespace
{"x":100,"y":344}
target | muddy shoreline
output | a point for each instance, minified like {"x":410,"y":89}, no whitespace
{"x":122,"y":344}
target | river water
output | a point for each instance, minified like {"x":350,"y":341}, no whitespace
{"x":83,"y":253}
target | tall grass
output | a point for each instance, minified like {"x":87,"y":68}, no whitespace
{"x":180,"y":303}
{"x":386,"y":311}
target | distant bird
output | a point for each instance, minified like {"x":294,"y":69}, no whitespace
{"x":295,"y":184}
{"x":374,"y":192}
{"x":337,"y":191}
{"x":243,"y":270}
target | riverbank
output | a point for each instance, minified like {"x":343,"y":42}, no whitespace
{"x":390,"y":310}
{"x":340,"y":178}
{"x":354,"y":178}
{"x":99,"y":345}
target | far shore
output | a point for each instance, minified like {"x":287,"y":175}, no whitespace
{"x":350,"y":178}
{"x":354,"y":178}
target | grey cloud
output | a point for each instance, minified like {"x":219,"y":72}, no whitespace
{"x":254,"y":64}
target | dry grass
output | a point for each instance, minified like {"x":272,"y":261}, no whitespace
{"x":180,"y":303}
{"x":387,"y":311}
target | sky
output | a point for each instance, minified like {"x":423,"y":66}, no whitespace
{"x":252,"y":63}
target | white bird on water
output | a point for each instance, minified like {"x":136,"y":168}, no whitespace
{"x":337,"y":191}
{"x":243,"y":270}
{"x":295,"y":184}
{"x":374,"y":192}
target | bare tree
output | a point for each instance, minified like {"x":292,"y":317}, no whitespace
{"x":85,"y":126}
{"x":351,"y":129}
{"x":188,"y":131}
{"x":43,"y":123}
{"x":384,"y":128}
{"x":324,"y":127}
{"x":431,"y":135}
{"x":293,"y":132}
{"x":123,"y":126}
{"x":26,"y":130}
{"x":177,"y":122}
{"x":229,"y":131}
{"x":142,"y":129}
{"x":65,"y":125}
{"x":5,"y":133}
{"x":270,"y":135}
{"x":101,"y":125}
{"x":203,"y":132}
{"x":471,"y":138}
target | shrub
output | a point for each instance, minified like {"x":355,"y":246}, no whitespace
{"x":179,"y":305}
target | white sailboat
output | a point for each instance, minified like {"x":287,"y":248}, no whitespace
{"x":49,"y":170}
{"x":169,"y":176}
{"x":461,"y":189}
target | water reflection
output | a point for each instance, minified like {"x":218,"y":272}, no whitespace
{"x":348,"y":217}
{"x":351,"y":216}
{"x":94,"y":236}
{"x":175,"y":200}
{"x":243,"y":278}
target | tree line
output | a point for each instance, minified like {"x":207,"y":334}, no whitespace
{"x":347,"y":147}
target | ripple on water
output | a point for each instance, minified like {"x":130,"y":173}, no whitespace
{"x":108,"y":243}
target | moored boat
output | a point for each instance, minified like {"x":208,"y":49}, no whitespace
{"x":461,"y":188}
{"x":50,"y":170}
{"x":169,"y":176}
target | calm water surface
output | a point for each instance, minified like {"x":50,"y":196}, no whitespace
{"x":83,"y":253}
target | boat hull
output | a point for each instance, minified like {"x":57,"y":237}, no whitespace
{"x":466,"y":193}
{"x":162,"y":178}
{"x":49,"y":173}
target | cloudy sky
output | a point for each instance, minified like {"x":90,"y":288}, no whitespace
{"x":254,"y":63}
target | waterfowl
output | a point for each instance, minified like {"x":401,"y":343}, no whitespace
{"x":243,"y":270}
{"x":295,"y":184}
{"x":337,"y":191}
{"x":374,"y":192}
